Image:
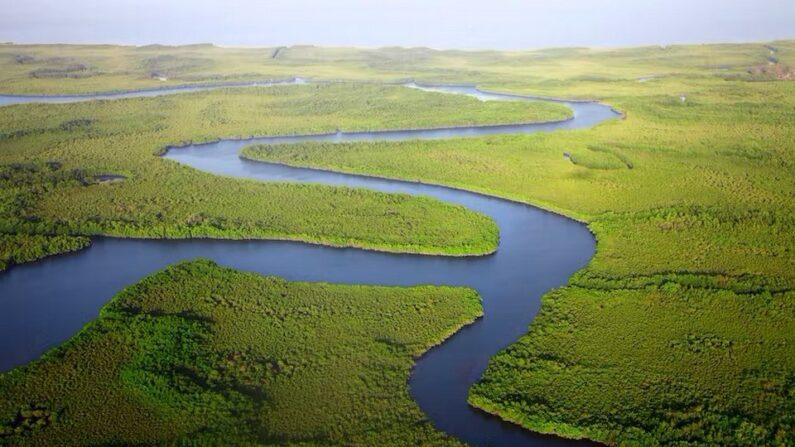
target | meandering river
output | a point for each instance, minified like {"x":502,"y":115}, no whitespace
{"x":44,"y":303}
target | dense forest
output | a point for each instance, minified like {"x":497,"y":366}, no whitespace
{"x":203,"y":355}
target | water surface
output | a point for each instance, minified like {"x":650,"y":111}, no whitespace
{"x":9,"y":99}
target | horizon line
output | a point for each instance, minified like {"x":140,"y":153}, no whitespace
{"x":406,"y":47}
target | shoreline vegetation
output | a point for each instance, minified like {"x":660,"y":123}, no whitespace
{"x":711,"y":417}
{"x":201,"y":353}
{"x":256,"y":152}
{"x":187,"y":143}
{"x":679,"y":331}
{"x":161,"y":88}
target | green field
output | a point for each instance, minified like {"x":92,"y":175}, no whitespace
{"x":203,"y":355}
{"x":679,"y":331}
{"x":49,"y":155}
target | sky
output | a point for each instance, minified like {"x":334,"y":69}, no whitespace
{"x":465,"y":24}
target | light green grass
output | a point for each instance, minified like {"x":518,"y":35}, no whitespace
{"x":108,"y":67}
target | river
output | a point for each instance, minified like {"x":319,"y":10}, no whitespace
{"x":46,"y":302}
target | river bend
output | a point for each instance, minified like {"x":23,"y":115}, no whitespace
{"x":46,"y":302}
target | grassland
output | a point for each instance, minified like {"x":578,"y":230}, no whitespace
{"x":203,"y":355}
{"x":50,"y":155}
{"x":679,"y":332}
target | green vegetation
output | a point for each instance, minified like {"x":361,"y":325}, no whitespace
{"x":203,"y":355}
{"x":50,"y":156}
{"x":20,"y":248}
{"x":108,"y":67}
{"x":20,"y":184}
{"x":661,"y":365}
{"x":679,"y":332}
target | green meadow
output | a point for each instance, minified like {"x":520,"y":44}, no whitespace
{"x":679,"y":331}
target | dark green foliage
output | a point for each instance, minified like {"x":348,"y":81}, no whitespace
{"x":203,"y":355}
{"x":22,"y":236}
{"x":20,"y":248}
{"x":601,"y":157}
{"x":28,"y":418}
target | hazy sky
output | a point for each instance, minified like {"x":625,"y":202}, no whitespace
{"x":371,"y":23}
